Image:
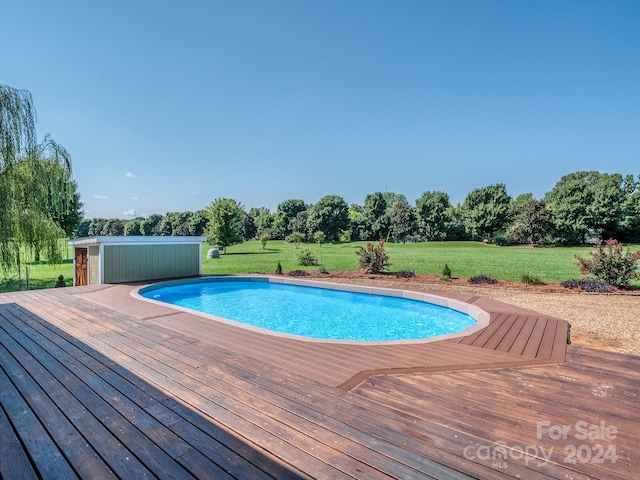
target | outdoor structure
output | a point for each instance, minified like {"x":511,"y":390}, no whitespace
{"x":106,"y":259}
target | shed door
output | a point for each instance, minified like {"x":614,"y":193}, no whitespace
{"x":81,"y":261}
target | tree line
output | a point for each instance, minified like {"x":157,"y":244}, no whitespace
{"x":581,"y":206}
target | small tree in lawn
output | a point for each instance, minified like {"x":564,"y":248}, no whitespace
{"x":610,"y":264}
{"x":319,"y":237}
{"x":373,"y":258}
{"x":225,"y":218}
{"x":297,"y":238}
{"x":264,"y":238}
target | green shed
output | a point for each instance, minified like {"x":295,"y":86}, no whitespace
{"x":105,"y":259}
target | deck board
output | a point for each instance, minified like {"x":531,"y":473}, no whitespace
{"x":529,"y":394}
{"x":90,"y":391}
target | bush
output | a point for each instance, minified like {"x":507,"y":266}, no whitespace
{"x":482,"y":278}
{"x":610,"y":264}
{"x":323,"y":270}
{"x":296,"y":238}
{"x":279,"y":269}
{"x":446,"y":272}
{"x":319,"y":237}
{"x":307,"y":258}
{"x":298,"y":273}
{"x":373,"y":258}
{"x":405,"y":274}
{"x":502,"y":239}
{"x":264,"y":238}
{"x":589,"y":285}
{"x":61,"y":282}
{"x":531,"y":279}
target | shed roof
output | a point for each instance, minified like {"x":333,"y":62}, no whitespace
{"x":134,"y":240}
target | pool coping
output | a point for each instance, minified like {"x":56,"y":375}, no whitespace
{"x":481,"y":317}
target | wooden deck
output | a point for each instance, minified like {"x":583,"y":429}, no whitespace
{"x":97,"y":384}
{"x":515,"y":336}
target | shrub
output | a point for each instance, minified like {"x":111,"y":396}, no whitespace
{"x":405,"y":274}
{"x":373,"y":258}
{"x":610,"y":264}
{"x":264,"y":238}
{"x":531,"y":279}
{"x":61,"y":282}
{"x":296,"y":238}
{"x":482,"y":278}
{"x":279,"y":269}
{"x":307,"y":258}
{"x":319,"y":237}
{"x":298,"y":273}
{"x":589,"y":285}
{"x":322,"y":269}
{"x":446,"y":272}
{"x":502,"y":239}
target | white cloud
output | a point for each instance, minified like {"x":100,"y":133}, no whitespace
{"x":129,"y":213}
{"x":135,"y":198}
{"x":101,"y":197}
{"x":130,"y":175}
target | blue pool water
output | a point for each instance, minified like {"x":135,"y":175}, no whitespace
{"x":315,"y":312}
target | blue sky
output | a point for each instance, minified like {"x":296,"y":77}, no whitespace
{"x":166,"y":106}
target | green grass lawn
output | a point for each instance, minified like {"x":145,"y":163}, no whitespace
{"x":464,"y":258}
{"x":41,"y":275}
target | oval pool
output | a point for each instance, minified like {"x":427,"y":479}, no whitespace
{"x":327,"y":312}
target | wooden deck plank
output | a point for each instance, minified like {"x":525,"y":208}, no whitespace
{"x":384,"y":427}
{"x":227,"y":458}
{"x":516,"y":329}
{"x":548,"y":339}
{"x":51,"y":400}
{"x":119,"y":396}
{"x":475,"y":403}
{"x":14,"y":462}
{"x":532,"y":347}
{"x":512,"y":325}
{"x":558,"y":351}
{"x":38,"y":449}
{"x":508,"y":419}
{"x":215,"y":400}
{"x":123,"y":447}
{"x":469,"y":430}
{"x":522,"y":337}
{"x":214,"y":397}
{"x":481,"y":336}
{"x":215,"y":450}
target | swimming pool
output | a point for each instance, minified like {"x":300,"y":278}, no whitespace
{"x":318,"y":310}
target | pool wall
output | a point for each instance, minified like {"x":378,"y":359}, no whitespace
{"x":479,"y":315}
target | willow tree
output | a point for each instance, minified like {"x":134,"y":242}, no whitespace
{"x":35,"y":183}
